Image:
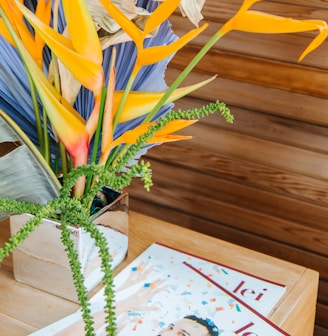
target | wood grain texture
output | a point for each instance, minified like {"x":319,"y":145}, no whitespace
{"x":8,"y":324}
{"x":263,"y":181}
{"x":261,"y":99}
{"x":268,"y":246}
{"x":150,"y":230}
{"x":257,"y":71}
{"x":31,"y":307}
{"x":18,"y":316}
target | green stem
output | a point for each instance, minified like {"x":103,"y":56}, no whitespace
{"x":63,"y":158}
{"x":32,"y":87}
{"x":95,"y":148}
{"x":124,"y":98}
{"x":112,"y":156}
{"x":78,"y":277}
{"x":210,"y":43}
{"x":126,"y":92}
{"x":46,"y":138}
{"x":57,"y":85}
{"x":36,"y":113}
{"x":120,"y":153}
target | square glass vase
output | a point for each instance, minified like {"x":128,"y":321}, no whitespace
{"x":42,"y":262}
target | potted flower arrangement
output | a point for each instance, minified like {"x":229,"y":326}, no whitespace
{"x":83,"y":97}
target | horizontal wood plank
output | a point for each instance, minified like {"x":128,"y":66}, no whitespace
{"x":246,"y":172}
{"x":257,"y":98}
{"x":302,"y":9}
{"x":279,"y":47}
{"x":249,"y":209}
{"x":320,"y":331}
{"x":8,"y":324}
{"x":278,"y":7}
{"x":323,"y":291}
{"x":262,"y":181}
{"x":258,"y":71}
{"x":16,"y":296}
{"x":321,"y":316}
{"x":268,"y":246}
{"x":264,"y":126}
{"x":307,"y":163}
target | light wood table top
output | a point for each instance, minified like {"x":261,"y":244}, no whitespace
{"x":24,"y":309}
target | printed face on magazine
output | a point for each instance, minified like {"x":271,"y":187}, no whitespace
{"x":184,"y":327}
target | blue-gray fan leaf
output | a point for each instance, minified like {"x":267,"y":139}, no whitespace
{"x":24,"y":175}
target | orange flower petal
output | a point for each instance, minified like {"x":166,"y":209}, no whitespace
{"x":259,"y":22}
{"x":163,"y":135}
{"x":155,"y":54}
{"x":82,"y":30}
{"x":87,"y":72}
{"x":160,"y":14}
{"x":127,"y":25}
{"x":5,"y":33}
{"x":141,"y":103}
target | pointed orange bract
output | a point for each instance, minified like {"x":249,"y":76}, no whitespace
{"x":43,"y":11}
{"x":67,"y":123}
{"x":140,"y":103}
{"x":84,"y":69}
{"x":17,"y":23}
{"x":259,"y":22}
{"x":164,"y":135}
{"x":160,"y":14}
{"x":82,"y":30}
{"x":107,"y":130}
{"x":156,"y":54}
{"x":32,"y":42}
{"x":151,"y":55}
{"x":5,"y":33}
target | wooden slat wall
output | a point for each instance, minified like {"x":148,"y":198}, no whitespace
{"x":263,"y":181}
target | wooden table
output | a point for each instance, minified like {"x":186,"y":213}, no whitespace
{"x":24,"y":309}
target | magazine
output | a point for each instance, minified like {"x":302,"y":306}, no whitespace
{"x":183,"y":299}
{"x":259,"y":293}
{"x":164,"y":289}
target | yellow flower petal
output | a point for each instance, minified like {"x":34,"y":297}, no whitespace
{"x":155,"y":54}
{"x":316,"y":42}
{"x":82,"y":30}
{"x":127,"y":25}
{"x":160,"y":14}
{"x":140,"y":103}
{"x":259,"y":22}
{"x":175,"y":125}
{"x":87,"y":72}
{"x":43,"y":11}
{"x":67,"y":123}
{"x":32,"y":42}
{"x":163,"y":135}
{"x":107,"y":130}
{"x":5,"y":33}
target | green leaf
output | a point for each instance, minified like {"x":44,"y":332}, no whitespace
{"x":24,"y":174}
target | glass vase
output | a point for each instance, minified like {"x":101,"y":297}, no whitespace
{"x":42,"y":262}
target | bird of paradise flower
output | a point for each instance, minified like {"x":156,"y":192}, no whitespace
{"x":77,"y":54}
{"x":82,"y":50}
{"x":117,"y":83}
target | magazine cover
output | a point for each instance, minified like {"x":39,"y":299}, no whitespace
{"x":261,"y":294}
{"x":182,"y":301}
{"x":166,"y":292}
